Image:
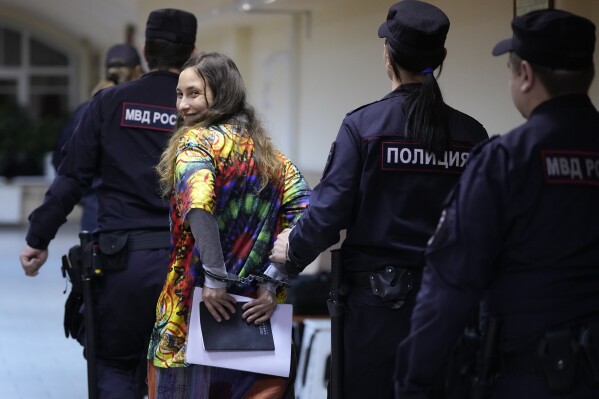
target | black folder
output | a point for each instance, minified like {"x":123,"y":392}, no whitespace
{"x":234,"y":334}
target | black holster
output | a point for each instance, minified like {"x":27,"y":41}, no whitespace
{"x":487,"y":360}
{"x":461,"y":369}
{"x":73,"y":264}
{"x":392,"y":285}
{"x":71,"y":267}
{"x":73,"y":309}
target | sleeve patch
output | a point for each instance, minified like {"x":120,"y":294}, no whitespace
{"x":571,"y":167}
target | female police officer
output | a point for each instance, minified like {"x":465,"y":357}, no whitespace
{"x":390,"y":167}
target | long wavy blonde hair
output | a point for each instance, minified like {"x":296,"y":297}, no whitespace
{"x":220,"y":73}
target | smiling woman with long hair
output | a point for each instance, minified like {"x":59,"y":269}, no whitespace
{"x":231,"y":192}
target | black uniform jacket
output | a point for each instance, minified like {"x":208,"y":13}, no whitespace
{"x":121,"y":135}
{"x":521,"y":229}
{"x":382,"y":187}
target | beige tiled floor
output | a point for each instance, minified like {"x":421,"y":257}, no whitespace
{"x":36,"y":360}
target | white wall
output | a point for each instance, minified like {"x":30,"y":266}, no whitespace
{"x":342,"y":68}
{"x":305,"y":72}
{"x":474,"y":81}
{"x":270,"y":85}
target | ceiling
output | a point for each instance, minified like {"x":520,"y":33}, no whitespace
{"x":101,"y":23}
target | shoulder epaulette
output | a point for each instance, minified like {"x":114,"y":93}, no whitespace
{"x":479,"y":146}
{"x":361,"y":107}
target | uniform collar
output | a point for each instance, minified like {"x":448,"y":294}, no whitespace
{"x":556,"y":104}
{"x":160,"y":73}
{"x":402,"y":90}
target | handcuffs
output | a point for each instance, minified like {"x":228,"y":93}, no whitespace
{"x":260,"y":279}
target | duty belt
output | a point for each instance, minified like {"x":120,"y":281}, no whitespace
{"x":391,"y":284}
{"x":149,"y":240}
{"x":363,"y":279}
{"x":559,"y":358}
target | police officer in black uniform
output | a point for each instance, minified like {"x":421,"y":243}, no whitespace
{"x":120,"y":138}
{"x":521,"y":231}
{"x":122,"y":65}
{"x":390,"y":167}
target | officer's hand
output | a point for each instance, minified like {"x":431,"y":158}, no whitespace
{"x":279,"y":249}
{"x":32,"y":260}
{"x":217,"y":302}
{"x":260,"y":309}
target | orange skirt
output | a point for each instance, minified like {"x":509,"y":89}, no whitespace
{"x":203,"y":382}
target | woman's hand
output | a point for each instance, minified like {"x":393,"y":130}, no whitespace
{"x":217,"y":302}
{"x":260,"y":309}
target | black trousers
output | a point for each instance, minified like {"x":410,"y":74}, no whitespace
{"x":125,"y":314}
{"x":372,"y":333}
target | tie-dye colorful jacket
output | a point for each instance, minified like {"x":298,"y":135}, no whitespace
{"x":215,"y":171}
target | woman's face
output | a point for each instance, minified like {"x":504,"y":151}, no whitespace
{"x":193,"y":95}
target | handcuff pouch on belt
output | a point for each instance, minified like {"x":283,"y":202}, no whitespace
{"x":563,"y":357}
{"x":392,"y":285}
{"x":113,"y":253}
{"x":557,"y":358}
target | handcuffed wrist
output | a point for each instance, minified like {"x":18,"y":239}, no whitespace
{"x":276,"y":271}
{"x":270,"y":287}
{"x":211,"y":282}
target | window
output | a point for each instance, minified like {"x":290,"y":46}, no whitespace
{"x":43,"y":55}
{"x":49,"y":95}
{"x":36,"y":83}
{"x":8,"y":91}
{"x":34,"y":73}
{"x":10,"y":47}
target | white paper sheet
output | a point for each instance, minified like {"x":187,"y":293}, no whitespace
{"x":275,"y":362}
